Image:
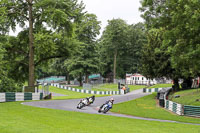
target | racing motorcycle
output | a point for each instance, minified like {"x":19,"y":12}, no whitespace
{"x":105,"y":108}
{"x":85,"y":102}
{"x":91,"y":100}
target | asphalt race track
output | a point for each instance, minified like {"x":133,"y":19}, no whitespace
{"x":70,"y":105}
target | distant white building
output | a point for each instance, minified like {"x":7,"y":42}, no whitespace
{"x":138,"y":79}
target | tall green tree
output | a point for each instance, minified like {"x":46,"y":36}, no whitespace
{"x":136,"y":40}
{"x":155,"y":61}
{"x":85,"y":60}
{"x":58,"y":15}
{"x":88,"y":28}
{"x":113,"y":41}
{"x":179,"y":21}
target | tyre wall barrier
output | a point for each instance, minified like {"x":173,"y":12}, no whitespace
{"x":179,"y":109}
{"x":146,"y":90}
{"x":174,"y":107}
{"x":13,"y":96}
{"x":169,"y":105}
{"x":186,"y":110}
{"x":121,"y":92}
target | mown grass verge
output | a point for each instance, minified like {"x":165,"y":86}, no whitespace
{"x":69,"y":94}
{"x":187,"y":97}
{"x":160,"y":86}
{"x":74,"y":95}
{"x":146,"y":107}
{"x":17,"y":118}
{"x":113,"y":87}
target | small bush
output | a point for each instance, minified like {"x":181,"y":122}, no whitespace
{"x":9,"y":85}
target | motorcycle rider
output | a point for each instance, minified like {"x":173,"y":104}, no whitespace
{"x":109,"y":102}
{"x":89,"y":100}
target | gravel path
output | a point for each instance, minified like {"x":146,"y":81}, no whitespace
{"x":71,"y":105}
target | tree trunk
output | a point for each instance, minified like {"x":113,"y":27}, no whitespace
{"x":176,"y":85}
{"x":68,"y":78}
{"x":80,"y":79}
{"x":187,"y":83}
{"x":31,"y":47}
{"x":114,"y":63}
{"x":86,"y":77}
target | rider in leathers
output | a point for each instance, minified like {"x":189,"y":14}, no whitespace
{"x":109,"y":102}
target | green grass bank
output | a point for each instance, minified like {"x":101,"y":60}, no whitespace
{"x":69,"y":94}
{"x":160,"y":86}
{"x":146,"y":107}
{"x":187,"y":97}
{"x":112,"y":87}
{"x":18,"y":118}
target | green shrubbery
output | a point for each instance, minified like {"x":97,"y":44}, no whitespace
{"x":9,"y":85}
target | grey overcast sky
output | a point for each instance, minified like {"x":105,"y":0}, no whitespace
{"x":127,"y":10}
{"x":105,"y":10}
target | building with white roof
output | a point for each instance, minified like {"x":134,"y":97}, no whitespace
{"x":138,"y":79}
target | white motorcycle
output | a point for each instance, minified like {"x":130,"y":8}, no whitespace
{"x":85,"y":102}
{"x":91,"y":100}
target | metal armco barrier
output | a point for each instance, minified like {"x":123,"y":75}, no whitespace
{"x":192,"y":110}
{"x":12,"y":96}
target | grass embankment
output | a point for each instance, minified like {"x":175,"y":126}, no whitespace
{"x":69,"y":94}
{"x":112,"y":87}
{"x":73,"y":95}
{"x":17,"y":118}
{"x":160,"y":86}
{"x":146,"y":107}
{"x":187,"y":97}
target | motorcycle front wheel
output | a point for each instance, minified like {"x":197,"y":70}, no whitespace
{"x":80,"y":105}
{"x":106,"y":110}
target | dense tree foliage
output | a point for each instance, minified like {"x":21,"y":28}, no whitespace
{"x":6,"y":83}
{"x":91,"y":56}
{"x":156,"y":58}
{"x":120,"y":48}
{"x":58,"y":15}
{"x":113,"y":41}
{"x":136,"y":40}
{"x":59,"y":38}
{"x":179,"y":21}
{"x":84,"y":60}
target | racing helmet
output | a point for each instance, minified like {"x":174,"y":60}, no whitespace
{"x":112,"y":99}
